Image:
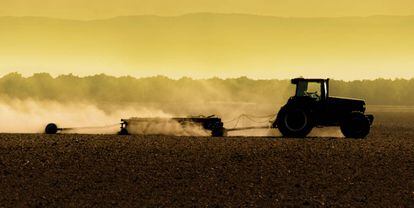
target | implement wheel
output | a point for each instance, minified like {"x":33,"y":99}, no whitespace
{"x":219,"y":132}
{"x":51,"y":129}
{"x":123,"y":131}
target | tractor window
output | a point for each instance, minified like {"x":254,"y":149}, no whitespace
{"x":302,"y":87}
{"x":325,"y":90}
{"x":310,"y":89}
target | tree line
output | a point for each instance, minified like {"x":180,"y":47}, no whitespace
{"x":161,"y":89}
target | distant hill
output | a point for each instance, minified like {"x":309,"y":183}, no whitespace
{"x":211,"y":44}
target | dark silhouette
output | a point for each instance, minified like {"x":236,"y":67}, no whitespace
{"x":312,"y":106}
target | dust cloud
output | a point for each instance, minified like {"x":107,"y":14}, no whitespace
{"x":165,"y":126}
{"x":31,"y":116}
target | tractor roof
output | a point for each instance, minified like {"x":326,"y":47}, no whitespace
{"x":296,"y":80}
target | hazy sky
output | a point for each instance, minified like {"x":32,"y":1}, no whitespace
{"x":210,"y":45}
{"x":92,"y":9}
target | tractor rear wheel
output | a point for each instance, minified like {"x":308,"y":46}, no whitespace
{"x":295,"y":122}
{"x":356,"y":125}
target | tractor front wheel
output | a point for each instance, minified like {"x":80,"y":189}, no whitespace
{"x":356,"y":125}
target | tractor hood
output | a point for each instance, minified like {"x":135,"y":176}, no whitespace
{"x":349,"y":104}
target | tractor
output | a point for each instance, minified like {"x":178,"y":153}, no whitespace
{"x":312,"y":106}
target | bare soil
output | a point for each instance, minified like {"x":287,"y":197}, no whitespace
{"x":102,"y":170}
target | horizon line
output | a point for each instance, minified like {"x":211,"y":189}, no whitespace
{"x":200,"y":13}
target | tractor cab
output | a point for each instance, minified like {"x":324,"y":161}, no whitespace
{"x":316,"y":89}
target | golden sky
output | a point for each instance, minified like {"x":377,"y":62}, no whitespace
{"x":207,"y":45}
{"x":92,"y":9}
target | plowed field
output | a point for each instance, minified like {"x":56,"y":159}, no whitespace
{"x":104,"y":170}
